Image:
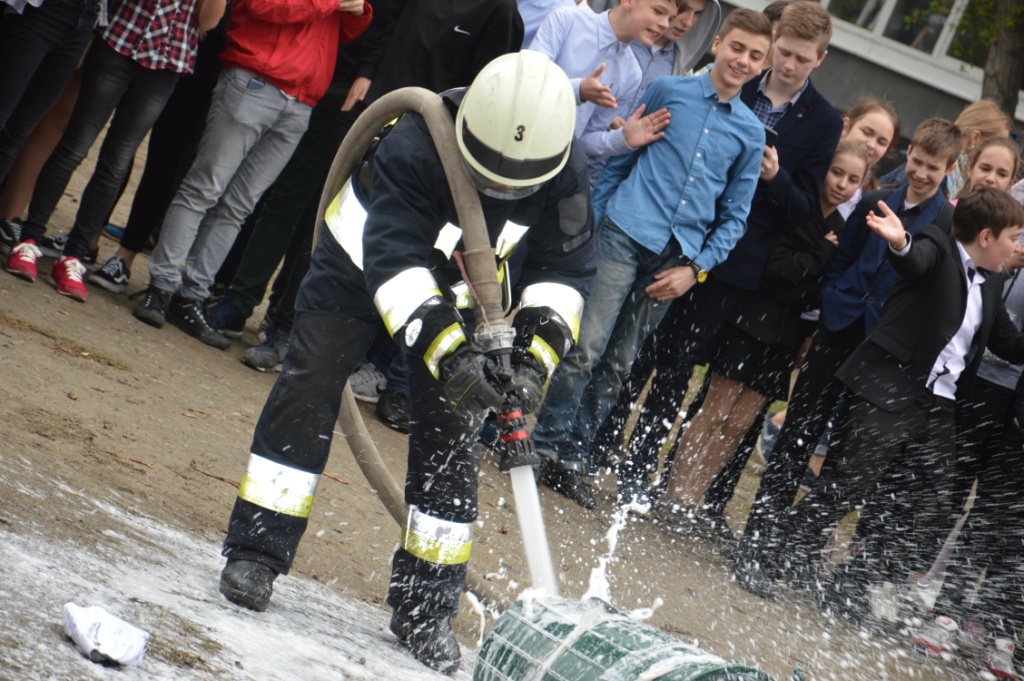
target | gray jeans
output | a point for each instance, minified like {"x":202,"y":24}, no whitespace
{"x":251,"y":131}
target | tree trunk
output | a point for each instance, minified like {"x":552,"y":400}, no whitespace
{"x":1004,"y":67}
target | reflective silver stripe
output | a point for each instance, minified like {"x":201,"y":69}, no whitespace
{"x":437,"y":541}
{"x":277,"y":487}
{"x":442,"y":346}
{"x":448,"y":239}
{"x":399,"y":296}
{"x":345,"y":218}
{"x":564,"y":300}
{"x":511,"y":235}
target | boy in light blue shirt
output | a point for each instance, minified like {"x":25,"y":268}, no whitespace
{"x":670,"y":212}
{"x":593,"y":50}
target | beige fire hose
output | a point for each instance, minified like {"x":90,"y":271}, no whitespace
{"x":479,"y":261}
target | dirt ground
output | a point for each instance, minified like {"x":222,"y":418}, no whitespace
{"x":157,"y":425}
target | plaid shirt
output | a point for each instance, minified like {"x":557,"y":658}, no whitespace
{"x":158,"y":34}
{"x":763,"y":109}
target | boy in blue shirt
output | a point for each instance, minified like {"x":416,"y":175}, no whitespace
{"x":669,"y":212}
{"x":594,"y":49}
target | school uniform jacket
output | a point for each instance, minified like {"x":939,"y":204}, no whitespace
{"x":808,"y":134}
{"x":924,"y":311}
{"x":858,"y":279}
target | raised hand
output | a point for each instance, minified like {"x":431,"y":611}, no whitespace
{"x":641,"y":130}
{"x":592,"y":90}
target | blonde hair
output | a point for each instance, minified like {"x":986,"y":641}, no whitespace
{"x":984,"y":116}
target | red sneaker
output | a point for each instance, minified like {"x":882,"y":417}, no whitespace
{"x":21,"y":261}
{"x":67,"y":275}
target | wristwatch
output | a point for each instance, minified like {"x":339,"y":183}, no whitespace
{"x":700,"y":273}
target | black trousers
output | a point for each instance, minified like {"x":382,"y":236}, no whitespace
{"x":335,"y":323}
{"x":813,"y":401}
{"x":901,"y":465}
{"x":992,"y":450}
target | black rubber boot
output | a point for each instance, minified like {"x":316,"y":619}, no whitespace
{"x":248,"y":583}
{"x":431,"y":641}
{"x":569,"y":483}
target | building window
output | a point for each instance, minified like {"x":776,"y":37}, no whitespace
{"x":916,"y":23}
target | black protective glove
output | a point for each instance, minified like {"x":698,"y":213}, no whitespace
{"x":528,"y":383}
{"x":466,"y":381}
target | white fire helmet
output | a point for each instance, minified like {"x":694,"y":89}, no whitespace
{"x":515,"y":124}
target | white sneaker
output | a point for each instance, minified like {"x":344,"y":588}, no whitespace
{"x":998,"y":662}
{"x":367,"y":383}
{"x":938,"y":637}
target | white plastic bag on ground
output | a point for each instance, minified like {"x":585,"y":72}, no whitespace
{"x":104,"y":637}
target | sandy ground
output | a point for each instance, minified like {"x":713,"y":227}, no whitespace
{"x":119,"y":449}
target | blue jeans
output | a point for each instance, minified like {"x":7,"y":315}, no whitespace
{"x":251,"y":131}
{"x":39,"y":51}
{"x":617,"y":318}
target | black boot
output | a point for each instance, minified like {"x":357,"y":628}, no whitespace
{"x":190,"y":317}
{"x":248,"y":583}
{"x":569,"y":483}
{"x":431,"y":641}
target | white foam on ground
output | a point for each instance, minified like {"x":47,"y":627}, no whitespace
{"x":165,"y":582}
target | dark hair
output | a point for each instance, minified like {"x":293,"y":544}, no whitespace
{"x":1005,"y":142}
{"x":938,"y":137}
{"x":747,"y":20}
{"x":985,"y":208}
{"x":806,"y":20}
{"x":774,"y":10}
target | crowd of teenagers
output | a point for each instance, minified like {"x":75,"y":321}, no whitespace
{"x":708,"y":214}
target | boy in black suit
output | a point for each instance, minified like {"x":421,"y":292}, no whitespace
{"x":897,"y":443}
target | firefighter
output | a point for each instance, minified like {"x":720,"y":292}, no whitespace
{"x":380,"y":258}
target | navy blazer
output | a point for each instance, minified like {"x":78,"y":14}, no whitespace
{"x":857,"y":281}
{"x":808,"y":134}
{"x":925,"y":309}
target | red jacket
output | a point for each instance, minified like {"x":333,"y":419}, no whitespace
{"x":293,"y":44}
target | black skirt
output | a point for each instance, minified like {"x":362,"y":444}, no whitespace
{"x":759,"y":366}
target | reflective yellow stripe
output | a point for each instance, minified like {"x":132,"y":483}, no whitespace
{"x":437,"y":541}
{"x":278,"y":487}
{"x":564,"y":300}
{"x":345,"y":217}
{"x":443,"y":345}
{"x":399,"y":296}
{"x":544,"y":354}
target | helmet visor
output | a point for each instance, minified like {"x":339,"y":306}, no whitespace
{"x":496,"y":190}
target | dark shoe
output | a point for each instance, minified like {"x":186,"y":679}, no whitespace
{"x":226,"y":318}
{"x":10,"y":234}
{"x":755,"y":578}
{"x":153,"y":308}
{"x":568,"y":483}
{"x":431,"y":641}
{"x":268,"y":355}
{"x":113,"y":275}
{"x":393,"y":410}
{"x":188,"y":315}
{"x":53,"y":247}
{"x":248,"y":583}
